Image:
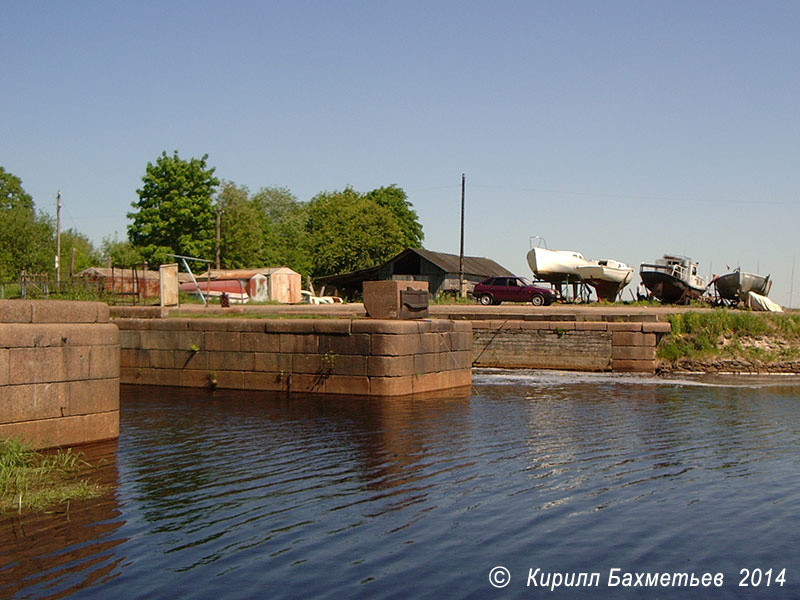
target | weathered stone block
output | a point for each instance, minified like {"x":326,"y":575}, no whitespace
{"x":260,"y":342}
{"x":357,"y":343}
{"x":32,"y":401}
{"x":591,"y":326}
{"x":394,"y":345}
{"x":303,"y":382}
{"x":633,"y":353}
{"x":384,"y":299}
{"x":299,"y":343}
{"x":299,"y":326}
{"x":3,"y":366}
{"x":332,"y":326}
{"x":657,"y":327}
{"x":35,"y":365}
{"x":348,"y":385}
{"x":634,"y":366}
{"x":350,"y":365}
{"x":275,"y":382}
{"x":129,"y":338}
{"x":232,"y":380}
{"x":427,"y":363}
{"x":231,"y":361}
{"x":633,"y":338}
{"x":266,"y":362}
{"x":624,"y":326}
{"x":16,"y":311}
{"x":390,"y":366}
{"x":310,"y":363}
{"x":385,"y":326}
{"x":91,"y":396}
{"x":69,"y":311}
{"x":103,"y":362}
{"x":227,"y":341}
{"x":391,"y":386}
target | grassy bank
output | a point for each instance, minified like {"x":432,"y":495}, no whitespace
{"x":31,"y":480}
{"x":758,"y":339}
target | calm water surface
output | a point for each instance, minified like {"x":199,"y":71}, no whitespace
{"x":249,"y":495}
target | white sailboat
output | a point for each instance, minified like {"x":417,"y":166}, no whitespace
{"x":607,"y":276}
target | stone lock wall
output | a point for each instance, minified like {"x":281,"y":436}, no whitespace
{"x":572,"y":345}
{"x":59,"y":372}
{"x":368,"y":357}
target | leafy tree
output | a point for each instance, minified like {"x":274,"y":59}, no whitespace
{"x":86,"y":255}
{"x":120,"y":253}
{"x":241,"y":236}
{"x":26,"y":238}
{"x":349,"y":231}
{"x":395,"y":199}
{"x":174,"y":213}
{"x":11,"y":193}
{"x":283,"y":224}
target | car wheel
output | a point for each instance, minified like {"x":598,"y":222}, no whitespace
{"x":486,"y":299}
{"x":537,"y":300}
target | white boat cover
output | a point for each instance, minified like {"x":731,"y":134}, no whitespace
{"x":758,"y":302}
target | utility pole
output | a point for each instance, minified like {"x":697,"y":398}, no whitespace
{"x":219,"y":223}
{"x":58,"y":238}
{"x":462,"y":284}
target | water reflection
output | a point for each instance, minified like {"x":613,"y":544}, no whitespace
{"x":259,"y":495}
{"x":70,"y":547}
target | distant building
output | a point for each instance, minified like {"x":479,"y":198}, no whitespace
{"x":136,"y":282}
{"x":439,"y":269}
{"x":277,"y":284}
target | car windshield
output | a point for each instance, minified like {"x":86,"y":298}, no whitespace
{"x":524,"y":281}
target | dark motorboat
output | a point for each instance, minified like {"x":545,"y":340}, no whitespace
{"x":673,"y":279}
{"x":737,"y":284}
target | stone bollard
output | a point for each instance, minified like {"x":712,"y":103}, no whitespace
{"x":394,"y":299}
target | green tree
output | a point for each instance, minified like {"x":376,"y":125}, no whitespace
{"x":395,"y":199}
{"x":241,"y":236}
{"x":86,"y":255}
{"x":349,"y":231}
{"x":120,"y":253}
{"x":26,"y":238}
{"x":283,"y":224}
{"x":174,"y":213}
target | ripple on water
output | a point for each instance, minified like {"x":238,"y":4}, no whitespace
{"x":258,"y":495}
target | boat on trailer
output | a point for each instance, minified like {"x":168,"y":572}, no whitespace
{"x":606,"y":276}
{"x":673,"y":279}
{"x":736,"y":285}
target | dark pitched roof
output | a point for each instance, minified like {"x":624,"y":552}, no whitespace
{"x":449,"y":263}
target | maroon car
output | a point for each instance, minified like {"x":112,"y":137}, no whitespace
{"x":495,"y":290}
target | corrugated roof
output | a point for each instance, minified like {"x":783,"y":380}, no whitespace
{"x":121,"y":273}
{"x":243,"y":273}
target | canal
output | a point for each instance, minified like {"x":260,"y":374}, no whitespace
{"x":555,"y":477}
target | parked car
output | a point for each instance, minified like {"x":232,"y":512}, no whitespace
{"x":495,"y":290}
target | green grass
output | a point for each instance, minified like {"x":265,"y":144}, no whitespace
{"x":31,"y":480}
{"x":726,"y":333}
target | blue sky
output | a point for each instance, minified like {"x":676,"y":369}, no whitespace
{"x":619,"y":129}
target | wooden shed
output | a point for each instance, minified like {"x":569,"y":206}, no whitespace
{"x":439,"y":269}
